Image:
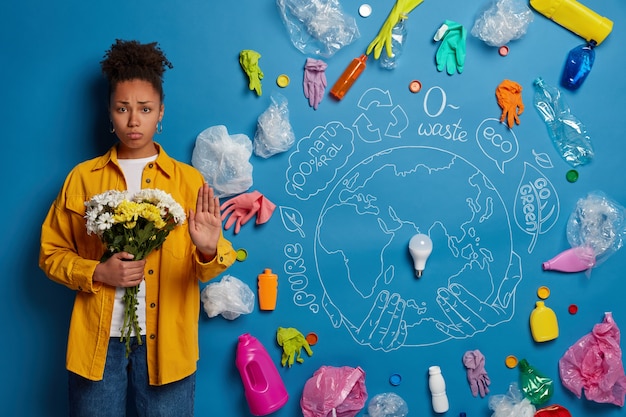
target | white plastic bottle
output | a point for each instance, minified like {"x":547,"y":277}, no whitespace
{"x":437,"y":386}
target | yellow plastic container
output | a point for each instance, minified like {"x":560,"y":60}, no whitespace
{"x":576,"y":17}
{"x":543,"y":323}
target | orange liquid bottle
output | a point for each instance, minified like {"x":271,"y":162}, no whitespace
{"x":349,"y":76}
{"x":268,"y":289}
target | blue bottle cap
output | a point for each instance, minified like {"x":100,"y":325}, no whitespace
{"x":395,"y":379}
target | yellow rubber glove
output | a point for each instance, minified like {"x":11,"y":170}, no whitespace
{"x":292,"y":342}
{"x":400,"y":10}
{"x":249,"y":61}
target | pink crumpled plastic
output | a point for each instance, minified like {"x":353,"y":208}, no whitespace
{"x":594,"y":364}
{"x":331,"y":388}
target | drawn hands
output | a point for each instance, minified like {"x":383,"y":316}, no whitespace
{"x":314,"y":81}
{"x":384,"y":326}
{"x":468,"y":315}
{"x":451,"y":52}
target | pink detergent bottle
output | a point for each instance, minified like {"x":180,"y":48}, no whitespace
{"x":263,"y":386}
{"x":572,"y":260}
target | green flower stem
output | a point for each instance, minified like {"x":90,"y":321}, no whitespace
{"x":131,"y":322}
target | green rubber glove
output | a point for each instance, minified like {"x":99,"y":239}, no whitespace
{"x":400,"y":10}
{"x":292,"y":342}
{"x":249,"y":61}
{"x":451,"y":52}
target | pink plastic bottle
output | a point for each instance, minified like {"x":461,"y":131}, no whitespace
{"x":263,"y":386}
{"x":572,"y":260}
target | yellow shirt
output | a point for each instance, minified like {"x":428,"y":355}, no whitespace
{"x":69,"y":256}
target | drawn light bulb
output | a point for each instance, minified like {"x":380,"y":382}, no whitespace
{"x":420,"y":247}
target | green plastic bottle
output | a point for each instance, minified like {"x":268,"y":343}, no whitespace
{"x":536,"y":387}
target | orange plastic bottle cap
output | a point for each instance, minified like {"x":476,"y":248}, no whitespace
{"x":415,"y":86}
{"x":543,"y":292}
{"x":510,"y":361}
{"x":503,"y":50}
{"x":282,"y":80}
{"x":311,"y":338}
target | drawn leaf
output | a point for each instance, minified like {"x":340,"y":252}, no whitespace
{"x":292,"y":219}
{"x":543,"y":160}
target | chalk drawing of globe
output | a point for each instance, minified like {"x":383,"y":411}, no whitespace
{"x":365,"y":269}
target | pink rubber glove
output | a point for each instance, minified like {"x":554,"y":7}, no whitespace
{"x":314,"y":81}
{"x":243,"y":207}
{"x":477,"y":377}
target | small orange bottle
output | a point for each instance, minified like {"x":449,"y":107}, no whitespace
{"x":349,"y":76}
{"x":268,"y":289}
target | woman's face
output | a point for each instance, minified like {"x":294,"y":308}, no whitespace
{"x":135,"y":109}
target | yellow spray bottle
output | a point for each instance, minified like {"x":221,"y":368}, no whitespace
{"x":543,"y":323}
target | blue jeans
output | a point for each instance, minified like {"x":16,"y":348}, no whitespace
{"x":125,"y":378}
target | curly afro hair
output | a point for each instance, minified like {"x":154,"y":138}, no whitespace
{"x":131,"y":60}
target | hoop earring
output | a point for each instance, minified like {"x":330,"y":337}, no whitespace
{"x":159,"y":127}
{"x":112,"y":128}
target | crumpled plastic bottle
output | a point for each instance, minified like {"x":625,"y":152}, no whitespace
{"x":537,"y":388}
{"x":398,"y":38}
{"x":578,"y":65}
{"x":568,"y":133}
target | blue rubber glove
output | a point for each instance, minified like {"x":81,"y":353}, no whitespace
{"x":451,"y":52}
{"x":314,"y":81}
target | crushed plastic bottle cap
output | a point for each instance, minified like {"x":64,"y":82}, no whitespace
{"x":503,"y":50}
{"x":311,"y":338}
{"x":365,"y":10}
{"x":571,"y":175}
{"x":395,"y":379}
{"x":242,"y":254}
{"x":543,"y":292}
{"x":573,"y":309}
{"x":282,"y":80}
{"x":510,"y":361}
{"x":415,"y":86}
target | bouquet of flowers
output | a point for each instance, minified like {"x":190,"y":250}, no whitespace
{"x":136,"y":225}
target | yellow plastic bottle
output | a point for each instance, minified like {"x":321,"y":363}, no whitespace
{"x":576,"y":17}
{"x":543,"y":323}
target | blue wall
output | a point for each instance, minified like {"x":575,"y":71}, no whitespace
{"x":354,"y":213}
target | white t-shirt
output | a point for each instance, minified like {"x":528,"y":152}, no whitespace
{"x":133,"y":170}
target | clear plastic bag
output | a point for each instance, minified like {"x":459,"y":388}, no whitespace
{"x":318,"y":27}
{"x":502,"y":22}
{"x":387,"y":404}
{"x":512,"y":404}
{"x":229,"y":297}
{"x":599,"y":223}
{"x":274,"y":133}
{"x":224,"y":160}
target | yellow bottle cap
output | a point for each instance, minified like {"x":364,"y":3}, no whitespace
{"x":510,"y":361}
{"x":282,"y":80}
{"x":543,"y":292}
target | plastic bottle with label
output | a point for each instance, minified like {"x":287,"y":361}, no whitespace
{"x":263,"y":387}
{"x":567,"y":132}
{"x":398,"y":38}
{"x":437,"y":386}
{"x":268,"y":289}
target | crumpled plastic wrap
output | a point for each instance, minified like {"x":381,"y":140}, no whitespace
{"x":223,"y":160}
{"x":511,"y":404}
{"x":334,"y":392}
{"x":274,"y":133}
{"x":229,"y":297}
{"x":597,"y":222}
{"x":502,"y":22}
{"x":594,"y":365}
{"x":387,"y":404}
{"x":318,"y":27}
